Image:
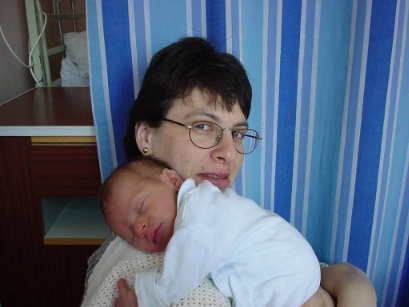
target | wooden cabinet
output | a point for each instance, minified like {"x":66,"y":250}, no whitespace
{"x":42,"y":183}
{"x":66,"y":177}
{"x":65,"y":169}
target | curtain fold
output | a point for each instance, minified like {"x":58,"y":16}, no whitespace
{"x":330,"y":98}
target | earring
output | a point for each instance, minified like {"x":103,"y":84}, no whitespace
{"x":145,"y":150}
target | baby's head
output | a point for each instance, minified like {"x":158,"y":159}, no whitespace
{"x":138,"y":201}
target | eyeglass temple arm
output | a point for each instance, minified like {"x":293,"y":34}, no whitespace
{"x":177,"y":123}
{"x":254,"y":137}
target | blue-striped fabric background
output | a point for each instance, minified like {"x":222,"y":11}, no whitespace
{"x":330,"y":81}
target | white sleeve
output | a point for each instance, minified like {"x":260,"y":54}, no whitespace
{"x":145,"y":289}
{"x":285,"y":273}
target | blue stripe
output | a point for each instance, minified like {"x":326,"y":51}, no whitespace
{"x":353,"y":101}
{"x":335,"y":35}
{"x":252,"y":35}
{"x":387,"y":220}
{"x":269,"y":112}
{"x":119,"y":67}
{"x":139,"y":13}
{"x":98,"y":108}
{"x":235,"y":20}
{"x":400,"y":250}
{"x":197,"y":18}
{"x":238,"y":183}
{"x":240,"y":179}
{"x":287,"y":107}
{"x":162,"y":15}
{"x":398,"y":163}
{"x":393,"y":164}
{"x":216,"y":23}
{"x":304,"y":113}
{"x":403,"y":296}
{"x":380,"y":44}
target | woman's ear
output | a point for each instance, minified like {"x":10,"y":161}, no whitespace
{"x":142,"y":131}
{"x":170,"y":176}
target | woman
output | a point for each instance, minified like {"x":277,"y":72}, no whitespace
{"x":188,"y":84}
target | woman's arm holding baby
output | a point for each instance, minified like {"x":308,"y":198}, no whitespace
{"x":348,"y":285}
{"x":345,"y":286}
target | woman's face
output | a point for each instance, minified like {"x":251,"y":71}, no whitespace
{"x":171,"y":143}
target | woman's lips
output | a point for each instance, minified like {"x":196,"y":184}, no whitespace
{"x":222,"y":181}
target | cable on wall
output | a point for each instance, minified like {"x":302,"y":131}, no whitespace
{"x":30,"y":56}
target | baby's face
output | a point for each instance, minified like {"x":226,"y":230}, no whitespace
{"x":144,"y":213}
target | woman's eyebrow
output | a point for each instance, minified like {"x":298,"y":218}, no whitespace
{"x":245,"y":124}
{"x":216,"y":118}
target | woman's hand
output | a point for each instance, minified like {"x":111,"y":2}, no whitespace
{"x":321,"y":298}
{"x":126,"y":295}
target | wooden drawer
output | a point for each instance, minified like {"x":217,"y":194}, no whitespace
{"x":66,"y":169}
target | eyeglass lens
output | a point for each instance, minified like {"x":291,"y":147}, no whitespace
{"x":206,"y":135}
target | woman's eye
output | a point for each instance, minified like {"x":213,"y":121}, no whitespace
{"x":238,"y":135}
{"x":202,"y":126}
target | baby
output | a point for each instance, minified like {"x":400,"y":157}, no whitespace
{"x":253,"y":256}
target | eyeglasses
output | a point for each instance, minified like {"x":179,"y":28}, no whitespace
{"x":206,"y":135}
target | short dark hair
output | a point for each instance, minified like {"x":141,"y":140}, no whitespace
{"x":178,"y":69}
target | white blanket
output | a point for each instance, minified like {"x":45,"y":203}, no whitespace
{"x":122,"y":261}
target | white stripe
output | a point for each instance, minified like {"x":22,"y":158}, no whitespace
{"x":276,"y":98}
{"x":240,"y":31}
{"x":357,"y":128}
{"x":317,"y":22}
{"x":298,"y":113}
{"x":134,"y":51}
{"x":147,"y":31}
{"x":229,"y":31}
{"x":104,"y":75}
{"x":189,"y":22}
{"x":203,"y":17}
{"x":241,"y":59}
{"x":398,"y":92}
{"x":264,"y":100}
{"x":341,"y":157}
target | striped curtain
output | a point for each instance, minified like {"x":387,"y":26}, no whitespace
{"x":331,"y":99}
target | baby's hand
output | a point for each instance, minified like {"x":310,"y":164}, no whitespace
{"x":126,"y":296}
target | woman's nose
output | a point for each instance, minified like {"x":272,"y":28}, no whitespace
{"x":226,"y":149}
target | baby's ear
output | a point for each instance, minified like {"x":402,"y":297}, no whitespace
{"x":170,"y":176}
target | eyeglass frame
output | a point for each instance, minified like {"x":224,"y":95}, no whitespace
{"x":219,"y":137}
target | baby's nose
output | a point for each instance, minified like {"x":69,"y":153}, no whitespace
{"x":140,"y":229}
